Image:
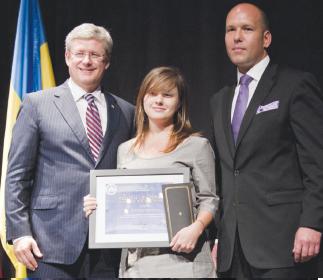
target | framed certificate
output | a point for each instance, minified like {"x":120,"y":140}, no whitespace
{"x":131,"y":207}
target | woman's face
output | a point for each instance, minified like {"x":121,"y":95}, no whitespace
{"x":160,"y":106}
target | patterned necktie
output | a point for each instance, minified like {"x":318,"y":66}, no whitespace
{"x":241,"y":105}
{"x":93,"y":126}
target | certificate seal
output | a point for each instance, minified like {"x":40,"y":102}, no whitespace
{"x":111,"y":189}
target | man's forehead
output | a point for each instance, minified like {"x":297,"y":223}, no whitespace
{"x":243,"y":17}
{"x":86,"y":42}
{"x":243,"y":11}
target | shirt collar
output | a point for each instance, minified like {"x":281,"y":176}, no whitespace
{"x":257,"y":70}
{"x":78,"y":92}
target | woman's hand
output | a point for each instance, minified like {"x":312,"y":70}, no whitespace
{"x":185,"y":240}
{"x":89,"y":205}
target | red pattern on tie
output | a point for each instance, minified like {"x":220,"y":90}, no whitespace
{"x":93,"y":126}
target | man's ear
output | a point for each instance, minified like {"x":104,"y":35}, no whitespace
{"x":67,"y":57}
{"x":267,"y":39}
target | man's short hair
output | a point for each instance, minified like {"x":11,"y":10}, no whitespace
{"x":90,"y":31}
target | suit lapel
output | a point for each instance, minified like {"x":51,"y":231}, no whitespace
{"x":112,"y":123}
{"x":227,"y":104}
{"x":264,"y":86}
{"x":66,"y":105}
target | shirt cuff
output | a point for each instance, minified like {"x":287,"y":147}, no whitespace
{"x":22,"y":237}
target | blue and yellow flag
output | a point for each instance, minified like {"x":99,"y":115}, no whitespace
{"x":31,"y":71}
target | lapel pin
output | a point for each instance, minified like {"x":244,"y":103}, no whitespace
{"x":112,"y":106}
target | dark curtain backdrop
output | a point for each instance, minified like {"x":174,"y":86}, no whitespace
{"x":188,"y":34}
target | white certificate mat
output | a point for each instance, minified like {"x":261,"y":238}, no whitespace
{"x":131,"y":211}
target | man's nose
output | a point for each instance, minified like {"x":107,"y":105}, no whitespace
{"x":237,"y":35}
{"x":87,"y":58}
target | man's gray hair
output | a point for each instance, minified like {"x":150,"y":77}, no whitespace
{"x":90,"y":31}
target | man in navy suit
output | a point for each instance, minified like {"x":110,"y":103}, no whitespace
{"x":268,"y":131}
{"x":52,"y":152}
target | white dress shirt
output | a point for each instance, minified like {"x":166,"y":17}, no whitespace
{"x":255,"y":72}
{"x":81,"y":104}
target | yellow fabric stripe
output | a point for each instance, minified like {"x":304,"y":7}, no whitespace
{"x":13,"y":107}
{"x":47,"y":74}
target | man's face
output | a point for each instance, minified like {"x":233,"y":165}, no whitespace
{"x":86,"y":61}
{"x":245,"y":36}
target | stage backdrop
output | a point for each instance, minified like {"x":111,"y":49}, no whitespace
{"x":188,"y":34}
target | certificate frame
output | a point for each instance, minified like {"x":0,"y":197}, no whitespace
{"x":113,"y":225}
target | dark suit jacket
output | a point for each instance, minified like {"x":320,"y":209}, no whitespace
{"x":272,"y":180}
{"x":49,"y":170}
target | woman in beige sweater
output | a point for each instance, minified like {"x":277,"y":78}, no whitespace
{"x":166,"y":139}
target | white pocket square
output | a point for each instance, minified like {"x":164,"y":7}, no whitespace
{"x":271,"y":106}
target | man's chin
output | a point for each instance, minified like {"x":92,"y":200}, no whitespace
{"x":88,"y":80}
{"x":241,"y":64}
{"x":237,"y":60}
{"x":89,"y":86}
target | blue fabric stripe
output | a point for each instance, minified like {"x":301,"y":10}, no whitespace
{"x":26,"y":70}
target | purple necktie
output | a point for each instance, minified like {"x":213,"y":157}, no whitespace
{"x":241,"y":105}
{"x":93,"y":126}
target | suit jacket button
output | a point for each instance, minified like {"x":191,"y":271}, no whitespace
{"x":236,"y":172}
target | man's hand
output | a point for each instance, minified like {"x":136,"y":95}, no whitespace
{"x":214,"y":252}
{"x":306,"y":244}
{"x":26,"y":249}
{"x":89,"y":205}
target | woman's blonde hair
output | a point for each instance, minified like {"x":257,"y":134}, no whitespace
{"x":164,"y":79}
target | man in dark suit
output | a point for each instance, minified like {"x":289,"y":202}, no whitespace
{"x":268,"y":131}
{"x":60,"y":135}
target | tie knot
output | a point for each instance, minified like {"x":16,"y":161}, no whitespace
{"x":245,"y":80}
{"x":89,"y":98}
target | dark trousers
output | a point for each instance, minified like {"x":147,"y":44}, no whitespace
{"x":241,"y":269}
{"x":90,"y":264}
